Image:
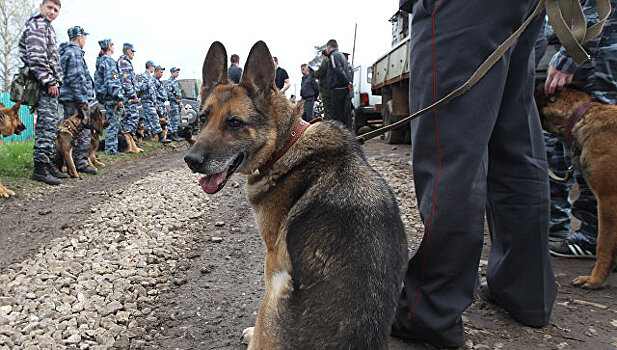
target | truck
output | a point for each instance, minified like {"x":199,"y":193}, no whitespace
{"x":390,"y":80}
{"x":366,"y":115}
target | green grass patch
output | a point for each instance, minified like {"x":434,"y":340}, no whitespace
{"x":16,"y":163}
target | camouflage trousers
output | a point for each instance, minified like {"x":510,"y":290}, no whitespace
{"x":151,"y":119}
{"x":174,"y":118}
{"x":81,"y":149}
{"x":584,"y":207}
{"x":46,"y":129}
{"x":130,"y":120}
{"x":112,"y":113}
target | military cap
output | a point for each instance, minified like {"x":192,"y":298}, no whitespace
{"x":128,"y":46}
{"x":149,"y":63}
{"x":174,"y":69}
{"x":76,"y":31}
{"x":105,"y":43}
{"x":159,"y":68}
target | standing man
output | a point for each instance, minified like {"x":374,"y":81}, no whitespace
{"x":281,"y":78}
{"x":481,"y":153}
{"x":148,"y":102}
{"x":175,"y":98}
{"x":161,"y":93}
{"x":130,"y":88}
{"x":109,"y":93}
{"x":38,"y":50}
{"x":340,"y":83}
{"x":321,"y":74}
{"x":235,"y":72}
{"x":308,"y":91}
{"x":76,"y":92}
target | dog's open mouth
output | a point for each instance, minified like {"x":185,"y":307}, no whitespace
{"x":215,"y":182}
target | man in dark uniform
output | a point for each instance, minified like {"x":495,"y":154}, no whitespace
{"x":309,"y":91}
{"x":480,"y":153}
{"x":340,"y":82}
{"x":321,"y":74}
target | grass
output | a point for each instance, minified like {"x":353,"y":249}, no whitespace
{"x":16,"y":161}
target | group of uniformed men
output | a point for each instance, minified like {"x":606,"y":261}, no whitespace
{"x":64,"y":78}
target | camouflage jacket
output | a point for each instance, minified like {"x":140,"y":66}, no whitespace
{"x":38,"y":50}
{"x":161,"y":92}
{"x":173,"y":90}
{"x":127,"y":77}
{"x":321,"y":75}
{"x":147,"y":88}
{"x":106,"y":80}
{"x":78,"y":85}
{"x":598,"y":74}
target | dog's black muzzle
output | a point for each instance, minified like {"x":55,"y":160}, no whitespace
{"x":195,"y":159}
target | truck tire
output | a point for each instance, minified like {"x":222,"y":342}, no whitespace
{"x":395,"y":136}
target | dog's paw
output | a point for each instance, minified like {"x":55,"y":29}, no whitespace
{"x":586,"y":282}
{"x":247,"y":335}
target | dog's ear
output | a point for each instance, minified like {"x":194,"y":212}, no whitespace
{"x":258,"y":74}
{"x":16,"y":107}
{"x":214,"y":71}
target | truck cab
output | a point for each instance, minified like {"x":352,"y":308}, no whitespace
{"x":365,"y":112}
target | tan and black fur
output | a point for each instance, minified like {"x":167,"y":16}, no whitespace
{"x":9,"y":125}
{"x":595,"y":154}
{"x":95,"y":134}
{"x":66,"y":136}
{"x":336,"y":246}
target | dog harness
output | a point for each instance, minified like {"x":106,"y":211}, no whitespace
{"x":576,"y":116}
{"x":66,"y":127}
{"x":297,"y":131}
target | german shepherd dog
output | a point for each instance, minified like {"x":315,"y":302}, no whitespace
{"x":68,"y":130}
{"x":9,"y":125}
{"x":336,"y":246}
{"x":95,"y":134}
{"x":592,"y":130}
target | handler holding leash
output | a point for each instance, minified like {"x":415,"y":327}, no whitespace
{"x":481,"y":153}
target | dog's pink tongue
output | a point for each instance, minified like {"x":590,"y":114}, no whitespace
{"x":210,"y":183}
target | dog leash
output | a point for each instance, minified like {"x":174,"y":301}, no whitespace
{"x":558,"y":12}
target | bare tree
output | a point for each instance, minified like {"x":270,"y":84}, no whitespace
{"x":13,"y":16}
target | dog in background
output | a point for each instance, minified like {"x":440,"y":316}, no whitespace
{"x":9,"y":125}
{"x":591,"y":129}
{"x":95,"y":134}
{"x":69,"y":129}
{"x":336,"y":245}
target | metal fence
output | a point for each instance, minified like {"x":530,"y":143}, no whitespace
{"x":24,"y":115}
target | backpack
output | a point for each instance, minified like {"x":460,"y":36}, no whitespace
{"x":25,"y":87}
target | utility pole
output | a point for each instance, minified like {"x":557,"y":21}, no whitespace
{"x":353,"y":54}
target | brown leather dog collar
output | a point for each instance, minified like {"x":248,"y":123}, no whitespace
{"x":299,"y":128}
{"x":576,"y":116}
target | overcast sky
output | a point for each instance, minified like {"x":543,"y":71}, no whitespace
{"x":179,"y":32}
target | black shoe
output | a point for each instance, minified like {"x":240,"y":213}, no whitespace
{"x":162,"y":138}
{"x":56,"y":173}
{"x":570,"y":248}
{"x":116,"y":154}
{"x":401,"y":332}
{"x":88,"y":170}
{"x":41,"y":173}
{"x":175,"y":137}
{"x":558,"y":236}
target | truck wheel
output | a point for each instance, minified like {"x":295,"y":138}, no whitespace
{"x":393,"y":136}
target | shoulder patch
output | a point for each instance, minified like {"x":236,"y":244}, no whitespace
{"x":114,"y":76}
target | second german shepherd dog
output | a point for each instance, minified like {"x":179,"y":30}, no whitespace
{"x":336,"y":245}
{"x":9,"y":125}
{"x":592,"y":130}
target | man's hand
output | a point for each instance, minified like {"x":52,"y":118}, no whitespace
{"x":53,"y":90}
{"x":134,"y":101}
{"x":556,"y":80}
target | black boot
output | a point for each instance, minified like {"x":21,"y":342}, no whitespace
{"x":87,"y":169}
{"x":162,"y":138}
{"x":174,"y":137}
{"x":41,"y":173}
{"x":56,"y":173}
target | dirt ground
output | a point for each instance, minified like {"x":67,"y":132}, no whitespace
{"x":223,"y":285}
